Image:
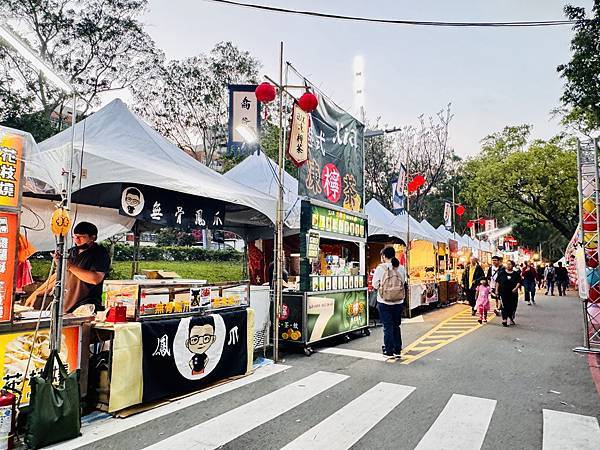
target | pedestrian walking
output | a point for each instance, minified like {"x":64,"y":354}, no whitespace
{"x":390,"y":281}
{"x":509,"y":282}
{"x":529,"y":274}
{"x":492,"y":275}
{"x":549,"y":275}
{"x":470,"y":280}
{"x":483,"y":300}
{"x":540,"y":276}
{"x":562,"y":279}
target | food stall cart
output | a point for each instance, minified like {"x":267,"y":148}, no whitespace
{"x":23,"y":351}
{"x":332,"y":296}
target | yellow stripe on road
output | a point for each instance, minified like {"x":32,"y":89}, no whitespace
{"x":441,"y":335}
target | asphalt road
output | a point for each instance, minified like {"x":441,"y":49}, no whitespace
{"x":487,"y":389}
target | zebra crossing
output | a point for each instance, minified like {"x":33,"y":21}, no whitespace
{"x":462,"y":423}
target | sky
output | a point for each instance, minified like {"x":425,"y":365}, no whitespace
{"x":492,"y":76}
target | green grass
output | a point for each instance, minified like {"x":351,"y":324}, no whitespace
{"x":213,"y":272}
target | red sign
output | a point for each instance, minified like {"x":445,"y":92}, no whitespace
{"x":331,"y":181}
{"x":8,"y":253}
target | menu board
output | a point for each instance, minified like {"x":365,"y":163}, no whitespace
{"x":314,"y":245}
{"x":338,"y":222}
{"x":11,"y":155}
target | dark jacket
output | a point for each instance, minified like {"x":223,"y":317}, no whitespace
{"x":476,"y":278}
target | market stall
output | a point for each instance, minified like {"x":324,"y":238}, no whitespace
{"x":331,"y":297}
{"x":24,"y":352}
{"x":182,"y":334}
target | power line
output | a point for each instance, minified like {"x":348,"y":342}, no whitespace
{"x":533,"y":23}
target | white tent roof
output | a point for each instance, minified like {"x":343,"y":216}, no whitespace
{"x":434,"y":232}
{"x":119,"y":147}
{"x":260,"y":172}
{"x":383,"y":222}
{"x":417,"y":232}
{"x":36,"y":213}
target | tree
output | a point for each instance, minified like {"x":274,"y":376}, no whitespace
{"x":430,"y":155}
{"x":533,"y":183}
{"x":98,"y":45}
{"x":582,"y":74}
{"x":187,"y":100}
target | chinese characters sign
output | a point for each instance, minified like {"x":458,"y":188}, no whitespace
{"x":244,"y":118}
{"x":170,"y":209}
{"x":335,"y":169}
{"x":8,"y":247}
{"x":11,"y":153}
{"x":298,"y":142}
{"x":184,"y":355}
{"x":337,"y":222}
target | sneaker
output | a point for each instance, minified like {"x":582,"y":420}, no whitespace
{"x":473,"y":312}
{"x":484,"y":320}
{"x":512,"y":322}
{"x":397,"y":356}
{"x":504,"y":324}
{"x":533,"y":301}
{"x":479,"y":320}
{"x":529,"y":303}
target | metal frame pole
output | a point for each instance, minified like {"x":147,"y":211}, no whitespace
{"x":408,"y":233}
{"x":279,"y":220}
{"x":61,"y":266}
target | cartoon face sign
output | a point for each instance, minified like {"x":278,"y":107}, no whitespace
{"x":198,"y":346}
{"x":200,"y":339}
{"x":132,"y":201}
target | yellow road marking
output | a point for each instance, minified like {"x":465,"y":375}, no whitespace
{"x":441,"y":335}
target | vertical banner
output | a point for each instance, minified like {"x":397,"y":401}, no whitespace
{"x":335,"y":169}
{"x":490,"y":224}
{"x":9,"y":232}
{"x":448,"y":215}
{"x":244,"y":119}
{"x":399,"y":191}
{"x":297,"y":149}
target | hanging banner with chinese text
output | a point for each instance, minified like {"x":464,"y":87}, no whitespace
{"x":448,"y":215}
{"x":171,"y":209}
{"x":9,"y":229}
{"x":335,"y":169}
{"x":399,"y":191}
{"x":184,"y":355}
{"x":244,"y":119}
{"x":11,"y":156}
{"x":298,"y":143}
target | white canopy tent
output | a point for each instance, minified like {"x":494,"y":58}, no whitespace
{"x":260,"y":172}
{"x":114,"y":146}
{"x":383,"y":222}
{"x":441,"y":238}
{"x":417,"y":232}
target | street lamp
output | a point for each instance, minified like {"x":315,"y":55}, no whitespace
{"x":59,"y":288}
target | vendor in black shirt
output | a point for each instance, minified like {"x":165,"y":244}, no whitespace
{"x":508,"y":283}
{"x":87,"y":265}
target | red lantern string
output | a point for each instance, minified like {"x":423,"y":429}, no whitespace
{"x":470,"y":224}
{"x":460,"y":210}
{"x":482,"y":222}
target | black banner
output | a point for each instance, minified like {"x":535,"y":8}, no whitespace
{"x":184,"y":355}
{"x":335,"y":170}
{"x":171,"y":209}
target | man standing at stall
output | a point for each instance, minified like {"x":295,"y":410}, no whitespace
{"x":87,"y":265}
{"x":470,"y":280}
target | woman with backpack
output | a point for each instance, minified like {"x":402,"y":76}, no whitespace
{"x":389,"y":279}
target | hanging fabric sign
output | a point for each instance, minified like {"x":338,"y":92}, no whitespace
{"x":448,"y":215}
{"x":184,"y":355}
{"x":334,"y":172}
{"x":169,"y":209}
{"x":298,"y":143}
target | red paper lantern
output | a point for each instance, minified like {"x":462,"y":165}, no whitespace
{"x":419,"y":180}
{"x":412,"y":187}
{"x":265,"y":92}
{"x":482,"y":222}
{"x":460,"y":210}
{"x":470,"y":224}
{"x":308,"y":102}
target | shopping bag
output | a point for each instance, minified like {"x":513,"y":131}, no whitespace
{"x":54,"y":408}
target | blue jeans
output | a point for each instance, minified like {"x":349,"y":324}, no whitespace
{"x":529,"y":291}
{"x":550,"y":287}
{"x":391,"y":317}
